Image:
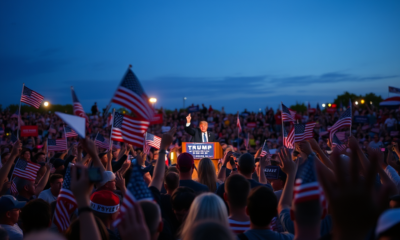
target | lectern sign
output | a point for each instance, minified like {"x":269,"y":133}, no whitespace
{"x":200,"y":150}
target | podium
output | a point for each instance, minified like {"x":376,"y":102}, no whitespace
{"x":211,"y":150}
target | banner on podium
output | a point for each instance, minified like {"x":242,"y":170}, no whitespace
{"x":200,"y":150}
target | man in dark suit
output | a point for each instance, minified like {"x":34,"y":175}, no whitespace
{"x":199,"y":134}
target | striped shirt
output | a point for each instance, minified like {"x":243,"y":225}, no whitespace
{"x":238,"y":227}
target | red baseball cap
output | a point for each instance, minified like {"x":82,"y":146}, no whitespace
{"x":104,"y":201}
{"x":185,"y":160}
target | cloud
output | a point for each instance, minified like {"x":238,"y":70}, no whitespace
{"x":332,"y":77}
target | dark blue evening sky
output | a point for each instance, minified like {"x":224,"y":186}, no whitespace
{"x":237,"y":54}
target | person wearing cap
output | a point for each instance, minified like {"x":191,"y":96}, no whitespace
{"x":388,"y":226}
{"x":9,"y":214}
{"x":105,"y":205}
{"x":108,"y":182}
{"x":185,"y":164}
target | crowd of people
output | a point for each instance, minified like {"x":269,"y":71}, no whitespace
{"x":356,"y":196}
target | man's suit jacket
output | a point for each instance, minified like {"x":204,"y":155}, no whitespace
{"x":197,"y":136}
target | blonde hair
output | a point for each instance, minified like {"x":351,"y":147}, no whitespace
{"x":205,"y":206}
{"x":203,"y":122}
{"x":207,"y":174}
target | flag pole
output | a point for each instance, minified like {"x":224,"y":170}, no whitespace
{"x":19,"y":111}
{"x":112,"y":126}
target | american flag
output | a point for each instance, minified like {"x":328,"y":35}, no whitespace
{"x":288,"y":139}
{"x":307,"y":187}
{"x":127,"y":129}
{"x":287,"y":114}
{"x":69,"y":132}
{"x":131,"y":95}
{"x":66,"y":203}
{"x":77,"y":106}
{"x":31,"y":97}
{"x":137,"y":190}
{"x":13,"y":189}
{"x":343,"y":121}
{"x":265,"y":151}
{"x":152,"y":140}
{"x":26,"y":170}
{"x":303,"y":131}
{"x":238,"y":124}
{"x":116,"y":133}
{"x":57,"y":144}
{"x":102,"y":142}
{"x":337,"y":143}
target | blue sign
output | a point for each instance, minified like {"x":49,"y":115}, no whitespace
{"x":200,"y":150}
{"x":361,"y":119}
{"x":192,"y":109}
{"x":272,"y":172}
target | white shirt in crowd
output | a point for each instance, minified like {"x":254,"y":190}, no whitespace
{"x":14,"y":232}
{"x":47,"y":196}
{"x":390,"y":122}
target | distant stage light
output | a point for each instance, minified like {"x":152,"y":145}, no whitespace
{"x":323,"y":105}
{"x":356,"y":103}
{"x":46,"y":104}
{"x":362,"y":101}
{"x":329,"y":105}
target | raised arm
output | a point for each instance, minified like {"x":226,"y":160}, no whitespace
{"x":289,"y":167}
{"x":159,"y":169}
{"x":89,"y":146}
{"x":222,"y":170}
{"x":321,"y":155}
{"x":7,"y":166}
{"x":43,"y":181}
{"x":82,"y":188}
{"x":188,"y":129}
{"x":264,"y":161}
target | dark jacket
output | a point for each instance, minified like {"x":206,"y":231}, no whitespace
{"x":197,"y":136}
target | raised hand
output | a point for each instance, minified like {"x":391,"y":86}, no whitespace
{"x":305,"y":147}
{"x":81,"y":187}
{"x":353,"y":194}
{"x":133,"y":224}
{"x":188,"y":118}
{"x":287,"y":165}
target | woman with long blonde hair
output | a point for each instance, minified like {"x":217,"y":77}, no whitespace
{"x":205,"y":206}
{"x":207,"y":175}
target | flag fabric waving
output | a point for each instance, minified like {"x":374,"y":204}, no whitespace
{"x":337,"y":143}
{"x":394,"y":90}
{"x":69,"y":132}
{"x":116,"y":132}
{"x":26,"y":170}
{"x":343,"y":121}
{"x":238,"y":124}
{"x":127,"y":129}
{"x":136,"y":190}
{"x":102,"y":142}
{"x":265,"y":151}
{"x":131,"y":95}
{"x":31,"y":97}
{"x":77,"y":106}
{"x":66,"y":203}
{"x":288,"y":139}
{"x":307,"y":187}
{"x":303,"y":131}
{"x":13,"y":189}
{"x":152,"y":140}
{"x":287,"y":114}
{"x":57,"y":144}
